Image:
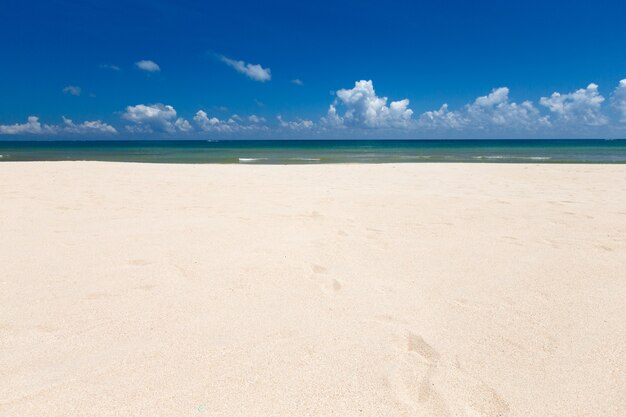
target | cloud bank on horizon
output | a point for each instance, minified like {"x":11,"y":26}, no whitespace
{"x":360,"y":111}
{"x":34,"y":127}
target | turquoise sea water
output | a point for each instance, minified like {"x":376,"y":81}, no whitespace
{"x":321,"y":151}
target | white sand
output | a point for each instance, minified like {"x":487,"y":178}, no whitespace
{"x":344,"y":290}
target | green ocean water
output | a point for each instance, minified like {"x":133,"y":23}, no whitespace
{"x":320,"y":151}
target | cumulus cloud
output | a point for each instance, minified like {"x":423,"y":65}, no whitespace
{"x":298,"y":124}
{"x":333,"y":119}
{"x":256,"y":119}
{"x":442,"y":118}
{"x":618,"y":100}
{"x":492,"y":111}
{"x":233,"y":124}
{"x":207,"y":124}
{"x":148,"y":65}
{"x":155,"y":118}
{"x":495,"y":109}
{"x":34,"y":127}
{"x":72,"y":90}
{"x":364,"y":109}
{"x":583,"y":106}
{"x":253,"y":71}
{"x":95,"y":126}
{"x":183,"y":125}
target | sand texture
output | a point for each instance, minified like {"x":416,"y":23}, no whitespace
{"x":335,"y":290}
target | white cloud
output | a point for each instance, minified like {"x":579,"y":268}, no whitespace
{"x":442,"y":118}
{"x":332,"y":119}
{"x":583,"y":106}
{"x":233,"y":124}
{"x":183,"y":125}
{"x":364,"y":109}
{"x":493,"y":111}
{"x":298,"y":124}
{"x":155,"y":118}
{"x":297,"y":81}
{"x":32,"y":126}
{"x":618,"y":100}
{"x":72,"y":90}
{"x":95,"y":126}
{"x":256,"y":119}
{"x":253,"y":71}
{"x":147,"y":65}
{"x":211,"y":124}
{"x":110,"y":67}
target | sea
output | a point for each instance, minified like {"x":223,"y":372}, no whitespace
{"x":553,"y":151}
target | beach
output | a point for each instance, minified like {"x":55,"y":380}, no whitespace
{"x":438,"y":289}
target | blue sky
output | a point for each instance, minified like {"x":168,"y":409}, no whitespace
{"x":285,"y":69}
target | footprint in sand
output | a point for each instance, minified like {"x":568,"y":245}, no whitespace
{"x":485,"y":401}
{"x":412,"y":379}
{"x":327,"y":284}
{"x":422,"y":370}
{"x":426,"y":393}
{"x":416,"y":344}
{"x":336,"y":285}
{"x":604,"y":247}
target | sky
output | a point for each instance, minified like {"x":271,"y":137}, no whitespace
{"x":140,"y":69}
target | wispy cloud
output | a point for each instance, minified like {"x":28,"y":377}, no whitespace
{"x":110,"y":67}
{"x":148,"y":65}
{"x":253,"y":71}
{"x":72,"y":90}
{"x":297,"y":81}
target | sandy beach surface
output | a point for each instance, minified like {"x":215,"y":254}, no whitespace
{"x":329,"y":290}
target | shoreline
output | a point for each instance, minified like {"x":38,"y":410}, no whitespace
{"x":222,"y":164}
